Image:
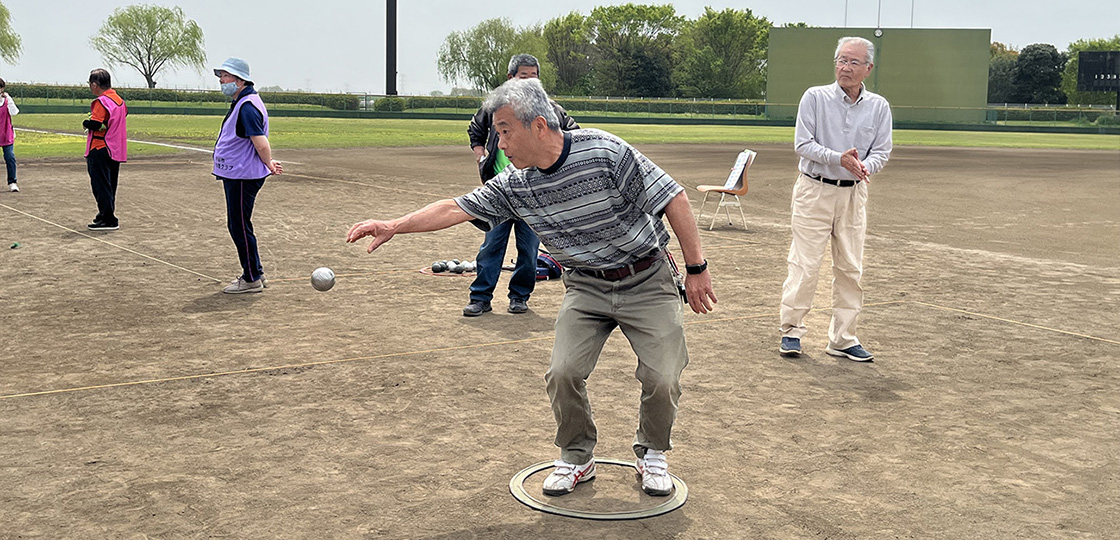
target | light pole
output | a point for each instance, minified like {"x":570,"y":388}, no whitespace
{"x":390,"y":47}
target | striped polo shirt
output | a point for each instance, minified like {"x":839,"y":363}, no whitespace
{"x":598,"y":207}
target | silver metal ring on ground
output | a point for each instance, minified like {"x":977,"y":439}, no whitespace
{"x":517,"y":488}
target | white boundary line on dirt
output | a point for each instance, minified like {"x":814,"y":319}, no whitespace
{"x":175,"y":146}
{"x":1020,"y":323}
{"x":91,"y":237}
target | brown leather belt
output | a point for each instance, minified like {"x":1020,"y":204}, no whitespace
{"x":838,"y":183}
{"x":616,"y":274}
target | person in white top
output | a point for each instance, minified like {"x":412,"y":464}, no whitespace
{"x":843,"y":137}
{"x":8,"y":109}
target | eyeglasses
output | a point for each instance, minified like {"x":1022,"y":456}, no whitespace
{"x":854,"y":64}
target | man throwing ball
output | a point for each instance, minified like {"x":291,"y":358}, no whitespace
{"x":596,"y":203}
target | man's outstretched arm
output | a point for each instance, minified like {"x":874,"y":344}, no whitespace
{"x":436,"y":216}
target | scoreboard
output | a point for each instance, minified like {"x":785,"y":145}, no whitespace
{"x":1098,"y":71}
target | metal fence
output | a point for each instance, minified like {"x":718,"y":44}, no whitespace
{"x":1088,"y":118}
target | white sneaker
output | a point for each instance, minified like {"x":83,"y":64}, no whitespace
{"x":654,"y":470}
{"x":566,"y":475}
{"x":13,"y":187}
{"x":239,"y":286}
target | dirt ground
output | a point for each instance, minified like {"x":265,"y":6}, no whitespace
{"x":137,"y":401}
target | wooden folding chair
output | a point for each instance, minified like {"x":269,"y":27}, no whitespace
{"x":730,"y":191}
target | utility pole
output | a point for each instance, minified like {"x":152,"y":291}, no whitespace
{"x":390,"y":47}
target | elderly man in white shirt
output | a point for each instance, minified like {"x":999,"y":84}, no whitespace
{"x":843,"y":137}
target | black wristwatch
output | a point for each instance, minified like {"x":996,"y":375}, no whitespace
{"x":694,"y":269}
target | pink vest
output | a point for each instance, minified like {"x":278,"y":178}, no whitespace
{"x":116,"y":138}
{"x":7,"y":134}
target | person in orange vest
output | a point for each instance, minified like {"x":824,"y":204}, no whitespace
{"x":8,"y":109}
{"x":106,"y":147}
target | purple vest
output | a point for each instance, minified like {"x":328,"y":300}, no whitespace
{"x":7,"y":134}
{"x":235,"y":157}
{"x":116,"y":136}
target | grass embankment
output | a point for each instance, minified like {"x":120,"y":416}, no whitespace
{"x":289,"y":132}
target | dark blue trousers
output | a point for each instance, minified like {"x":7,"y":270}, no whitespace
{"x":103,"y":173}
{"x":10,"y":163}
{"x":489,"y":262}
{"x":240,"y":197}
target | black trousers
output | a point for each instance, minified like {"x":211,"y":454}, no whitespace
{"x":241,"y":196}
{"x":103,"y":173}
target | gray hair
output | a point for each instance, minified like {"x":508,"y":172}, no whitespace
{"x":850,"y":39}
{"x":519,"y":61}
{"x":527,"y":99}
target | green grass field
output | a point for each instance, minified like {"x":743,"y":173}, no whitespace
{"x":290,"y":132}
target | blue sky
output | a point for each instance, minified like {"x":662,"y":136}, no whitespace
{"x":339,"y":45}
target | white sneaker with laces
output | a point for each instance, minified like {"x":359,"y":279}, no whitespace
{"x":13,"y":187}
{"x":239,"y":286}
{"x":654,"y":470}
{"x":566,"y":476}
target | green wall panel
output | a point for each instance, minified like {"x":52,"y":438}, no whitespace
{"x":928,"y":75}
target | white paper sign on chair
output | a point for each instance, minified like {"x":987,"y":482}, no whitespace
{"x":730,"y":191}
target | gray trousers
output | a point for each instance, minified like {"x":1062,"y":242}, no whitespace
{"x":647,"y":307}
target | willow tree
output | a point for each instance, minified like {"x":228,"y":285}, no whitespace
{"x":150,"y":39}
{"x":10,"y":43}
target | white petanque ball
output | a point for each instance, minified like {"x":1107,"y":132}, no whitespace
{"x":322,"y":279}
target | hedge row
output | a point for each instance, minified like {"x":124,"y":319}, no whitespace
{"x":342,"y":102}
{"x":397,"y":104}
{"x":659,"y":106}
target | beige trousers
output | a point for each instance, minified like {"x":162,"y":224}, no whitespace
{"x":822,"y":213}
{"x":647,"y":307}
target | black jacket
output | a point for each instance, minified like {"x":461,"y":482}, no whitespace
{"x":482,"y":133}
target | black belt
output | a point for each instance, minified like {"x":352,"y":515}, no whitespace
{"x":616,"y":274}
{"x":838,"y":183}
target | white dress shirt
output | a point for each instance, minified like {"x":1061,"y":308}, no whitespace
{"x":829,"y":123}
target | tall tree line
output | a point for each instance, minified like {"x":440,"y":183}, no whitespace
{"x":627,"y":50}
{"x":1040,"y":74}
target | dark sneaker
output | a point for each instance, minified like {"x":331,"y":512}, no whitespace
{"x":790,"y":346}
{"x":518,"y":306}
{"x":654,"y":470}
{"x":474,"y":309}
{"x":855,"y":353}
{"x":102,"y":226}
{"x":566,"y":476}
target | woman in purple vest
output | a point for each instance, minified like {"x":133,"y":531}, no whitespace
{"x":8,"y":109}
{"x":242,"y":161}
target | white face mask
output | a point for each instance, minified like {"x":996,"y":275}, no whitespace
{"x":229,"y":88}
